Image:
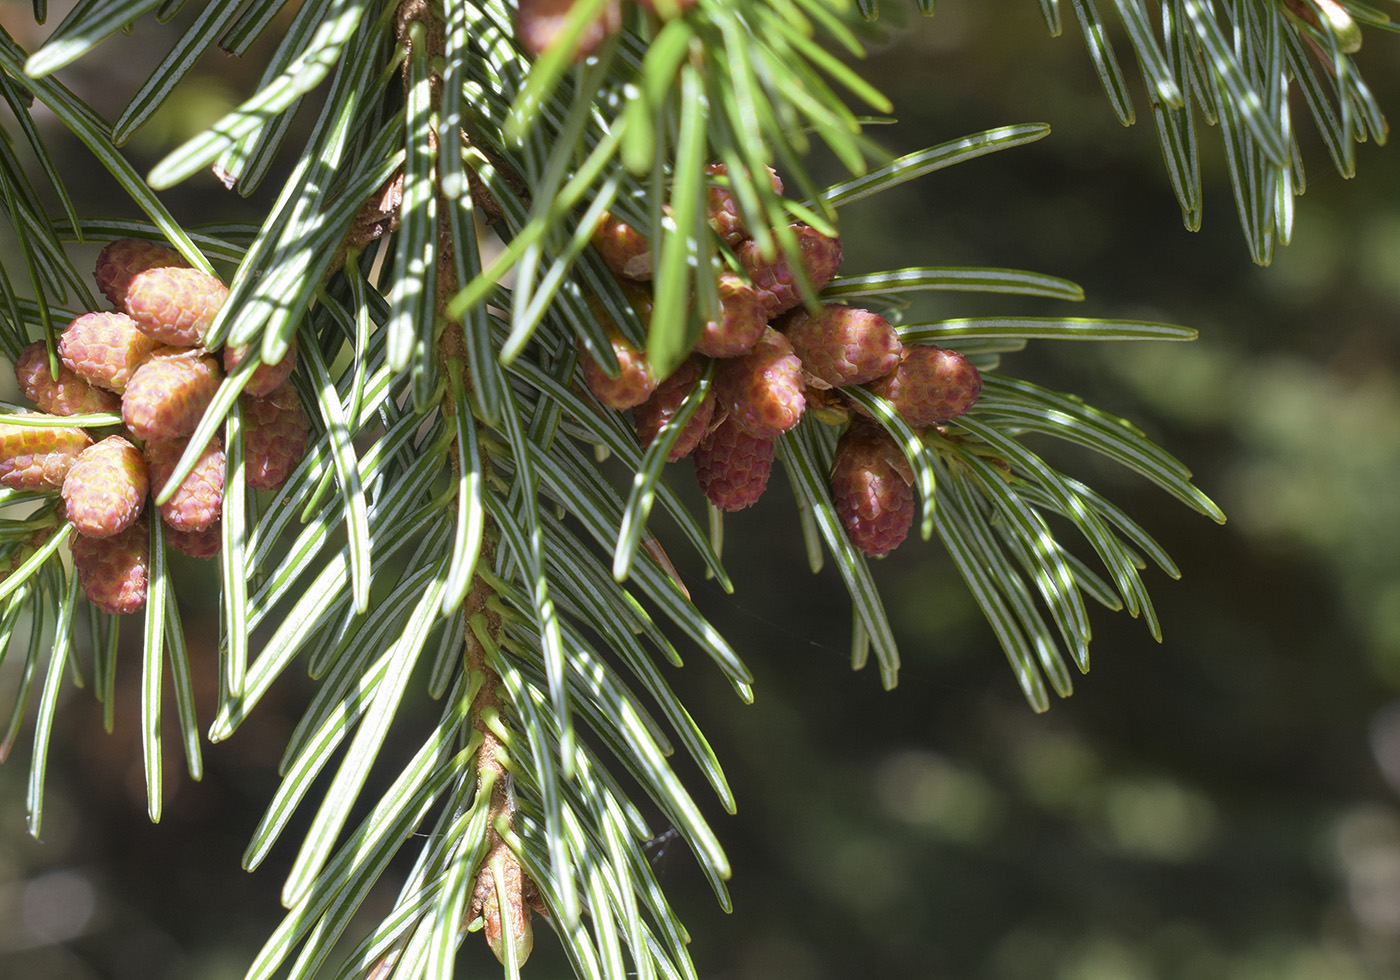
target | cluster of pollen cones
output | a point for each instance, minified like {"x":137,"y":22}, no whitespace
{"x":776,"y":359}
{"x":146,"y":361}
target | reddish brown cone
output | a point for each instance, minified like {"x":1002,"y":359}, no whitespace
{"x":624,"y":249}
{"x":539,"y":22}
{"x":722,"y":211}
{"x":196,"y":544}
{"x":174,"y":305}
{"x":67,"y":394}
{"x":743,"y":318}
{"x":198,"y":502}
{"x":634,"y":383}
{"x":930,"y":385}
{"x":870,"y":483}
{"x":775,"y":279}
{"x":732,"y":467}
{"x":762,"y":391}
{"x":265,"y":378}
{"x":38,"y":458}
{"x":105,"y":488}
{"x":667,"y":8}
{"x":663,"y":405}
{"x":274,"y":437}
{"x":841,"y":345}
{"x":104,"y":348}
{"x":113,"y":571}
{"x":119,"y":261}
{"x":169,"y":392}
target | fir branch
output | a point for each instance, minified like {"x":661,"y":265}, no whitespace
{"x":1235,"y":62}
{"x":450,"y":519}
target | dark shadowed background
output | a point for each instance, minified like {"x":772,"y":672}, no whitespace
{"x":1218,"y":807}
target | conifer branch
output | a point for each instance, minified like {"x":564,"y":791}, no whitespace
{"x":447,"y":520}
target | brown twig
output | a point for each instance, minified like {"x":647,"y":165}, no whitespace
{"x":503,"y":895}
{"x":377,"y":217}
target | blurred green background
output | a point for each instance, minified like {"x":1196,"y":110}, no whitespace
{"x":1218,"y":807}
